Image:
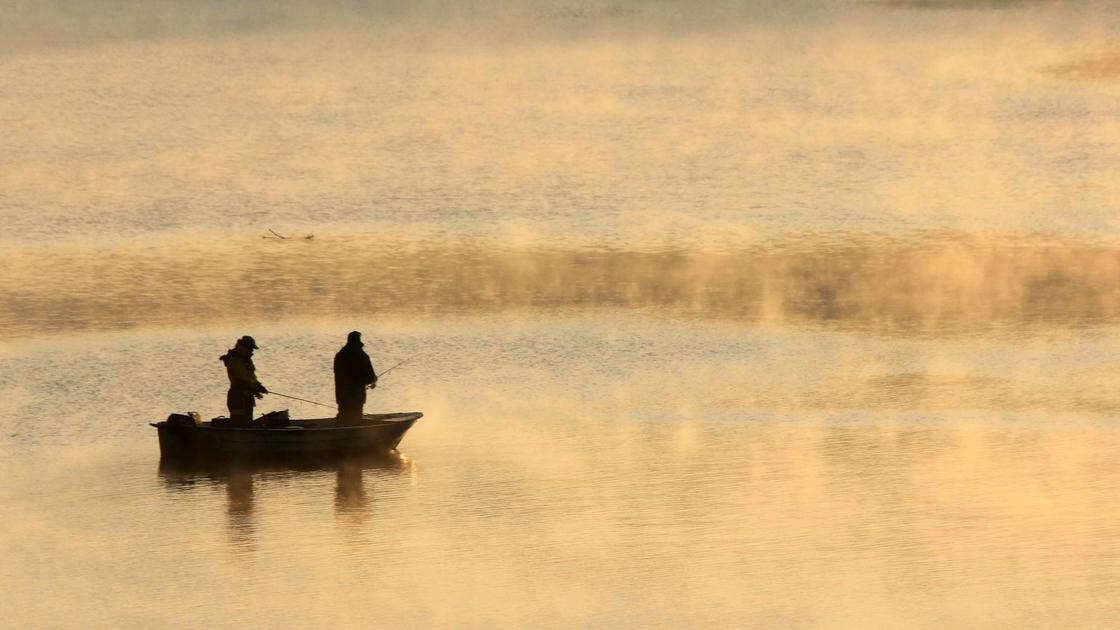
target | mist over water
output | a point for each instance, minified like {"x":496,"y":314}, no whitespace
{"x":944,"y":283}
{"x":735,"y":314}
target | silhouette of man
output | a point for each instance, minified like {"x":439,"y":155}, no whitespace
{"x":243,"y":383}
{"x":352,"y":373}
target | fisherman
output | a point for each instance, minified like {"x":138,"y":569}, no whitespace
{"x":352,"y":373}
{"x":243,"y":383}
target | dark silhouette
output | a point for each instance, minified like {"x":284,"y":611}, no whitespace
{"x":349,"y":492}
{"x":352,"y":373}
{"x":243,"y":383}
{"x":353,"y":500}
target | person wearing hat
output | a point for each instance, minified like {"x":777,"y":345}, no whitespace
{"x":243,"y":383}
{"x":352,"y":373}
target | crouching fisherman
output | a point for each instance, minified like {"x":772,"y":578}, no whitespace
{"x":352,"y":373}
{"x":243,"y":384}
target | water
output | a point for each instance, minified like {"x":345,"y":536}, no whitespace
{"x":773,"y":315}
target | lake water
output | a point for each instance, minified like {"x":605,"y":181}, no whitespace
{"x":734,"y":315}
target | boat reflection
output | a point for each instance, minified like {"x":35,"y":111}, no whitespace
{"x":351,"y":497}
{"x":349,"y":491}
{"x":239,"y":496}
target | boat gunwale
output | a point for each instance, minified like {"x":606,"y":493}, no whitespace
{"x":379,"y":423}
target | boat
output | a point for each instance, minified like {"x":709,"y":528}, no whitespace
{"x":377,"y":433}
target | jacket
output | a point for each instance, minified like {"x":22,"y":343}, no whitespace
{"x":352,"y":368}
{"x":241,"y":372}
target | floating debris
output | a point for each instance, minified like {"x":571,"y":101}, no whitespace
{"x":276,"y":235}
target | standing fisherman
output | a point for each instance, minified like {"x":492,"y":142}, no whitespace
{"x":352,"y":373}
{"x":243,"y":383}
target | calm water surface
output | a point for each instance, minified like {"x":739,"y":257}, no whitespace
{"x":762,"y":315}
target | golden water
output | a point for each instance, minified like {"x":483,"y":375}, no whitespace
{"x":763,"y":315}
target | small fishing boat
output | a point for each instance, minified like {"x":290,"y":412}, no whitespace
{"x":377,"y":433}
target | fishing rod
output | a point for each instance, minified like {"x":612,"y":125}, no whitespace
{"x":374,"y":383}
{"x":392,"y":368}
{"x":332,"y":406}
{"x":301,"y":399}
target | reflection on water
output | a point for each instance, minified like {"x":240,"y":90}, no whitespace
{"x":351,"y":497}
{"x":590,"y":469}
{"x":349,"y":493}
{"x":239,"y":492}
{"x":892,"y":520}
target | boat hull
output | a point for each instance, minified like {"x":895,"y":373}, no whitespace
{"x":377,"y":433}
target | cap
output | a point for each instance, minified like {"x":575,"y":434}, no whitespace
{"x":248,"y":341}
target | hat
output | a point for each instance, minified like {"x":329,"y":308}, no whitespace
{"x":248,"y":342}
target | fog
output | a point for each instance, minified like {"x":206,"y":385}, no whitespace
{"x":937,"y":284}
{"x":86,"y":22}
{"x":882,"y":119}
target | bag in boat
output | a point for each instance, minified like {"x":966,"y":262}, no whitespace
{"x":190,"y":419}
{"x":274,"y":420}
